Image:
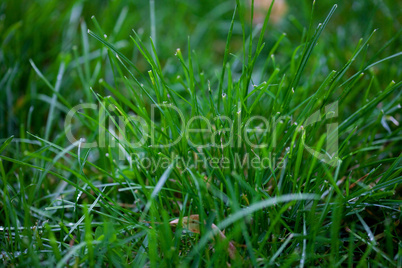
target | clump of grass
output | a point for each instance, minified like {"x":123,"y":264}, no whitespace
{"x":327,"y":193}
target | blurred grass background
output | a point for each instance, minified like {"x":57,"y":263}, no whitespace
{"x":47,"y":31}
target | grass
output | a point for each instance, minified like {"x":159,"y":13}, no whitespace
{"x":299,"y":161}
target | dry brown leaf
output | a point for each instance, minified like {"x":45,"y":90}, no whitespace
{"x":261,"y":8}
{"x":359,"y":180}
{"x":192,"y":223}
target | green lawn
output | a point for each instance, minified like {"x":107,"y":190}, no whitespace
{"x":194,"y":133}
